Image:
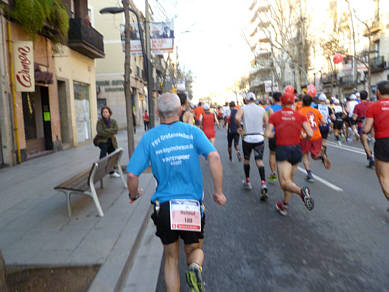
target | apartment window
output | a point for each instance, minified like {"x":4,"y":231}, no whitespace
{"x":377,"y":48}
{"x":91,"y":16}
{"x":72,"y":11}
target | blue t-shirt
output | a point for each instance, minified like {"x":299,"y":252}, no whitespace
{"x":173,"y":151}
{"x":274,"y":107}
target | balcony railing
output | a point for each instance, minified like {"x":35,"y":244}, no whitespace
{"x":377,"y":64}
{"x":328,"y":78}
{"x":84,"y":39}
{"x":346,"y":81}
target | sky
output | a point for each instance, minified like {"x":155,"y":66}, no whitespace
{"x":208,"y":40}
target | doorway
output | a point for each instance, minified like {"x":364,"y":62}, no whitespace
{"x":64,"y":113}
{"x":37,"y":121}
{"x":1,"y":151}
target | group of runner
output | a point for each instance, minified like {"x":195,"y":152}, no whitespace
{"x":173,"y":148}
{"x":323,"y":116}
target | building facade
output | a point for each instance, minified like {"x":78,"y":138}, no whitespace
{"x":48,"y":95}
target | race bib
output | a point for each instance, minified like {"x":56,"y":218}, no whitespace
{"x":185,"y":215}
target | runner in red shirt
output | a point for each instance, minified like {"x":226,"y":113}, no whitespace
{"x":314,"y":144}
{"x":359,"y":116}
{"x":208,"y":121}
{"x":198,"y":111}
{"x":378,"y":116}
{"x":288,"y":124}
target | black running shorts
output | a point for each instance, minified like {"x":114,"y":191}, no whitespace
{"x":272,"y":144}
{"x":338,"y":124}
{"x":381,"y":149}
{"x":257,"y":147}
{"x":233,"y":137}
{"x":292,"y":154}
{"x":324,"y":130}
{"x":161,"y":220}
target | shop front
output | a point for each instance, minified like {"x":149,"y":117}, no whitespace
{"x":37,"y":121}
{"x":35,"y":96}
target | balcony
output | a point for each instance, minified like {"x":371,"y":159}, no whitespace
{"x":259,"y":81}
{"x":346,"y":81}
{"x":85,"y":39}
{"x":375,"y":28}
{"x":328,"y":78}
{"x":377,"y":64}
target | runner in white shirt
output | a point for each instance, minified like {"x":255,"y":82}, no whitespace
{"x":254,"y":119}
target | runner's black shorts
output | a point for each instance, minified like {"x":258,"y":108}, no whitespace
{"x":381,"y":149}
{"x":324,"y":130}
{"x":272,"y":144}
{"x":257,"y":147}
{"x":161,"y":220}
{"x":338,"y":124}
{"x":292,"y":153}
{"x":233,"y":137}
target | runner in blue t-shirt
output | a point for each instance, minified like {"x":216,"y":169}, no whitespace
{"x":173,"y":150}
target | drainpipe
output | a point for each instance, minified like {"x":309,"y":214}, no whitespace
{"x":11,"y":65}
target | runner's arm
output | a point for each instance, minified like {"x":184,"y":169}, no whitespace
{"x":367,"y":125}
{"x":269,"y":133}
{"x":308,"y":130}
{"x":133,"y":184}
{"x":216,"y":120}
{"x":265,"y":120}
{"x":216,"y":169}
{"x":238,"y":119}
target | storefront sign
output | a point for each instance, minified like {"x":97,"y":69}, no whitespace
{"x":24,"y":66}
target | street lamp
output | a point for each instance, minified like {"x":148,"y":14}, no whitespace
{"x":127,"y":70}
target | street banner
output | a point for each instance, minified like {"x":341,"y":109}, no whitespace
{"x":268,"y":86}
{"x":161,"y":38}
{"x":23,"y":58}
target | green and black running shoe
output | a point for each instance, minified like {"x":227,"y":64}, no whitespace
{"x":194,"y":279}
{"x":272,"y":178}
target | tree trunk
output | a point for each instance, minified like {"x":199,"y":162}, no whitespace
{"x":127,"y":80}
{"x":3,"y":281}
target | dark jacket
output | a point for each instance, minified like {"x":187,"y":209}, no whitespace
{"x":104,"y":133}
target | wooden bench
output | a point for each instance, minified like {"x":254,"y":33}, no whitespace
{"x":84,"y":182}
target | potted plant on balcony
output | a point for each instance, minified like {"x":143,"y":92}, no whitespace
{"x":47,"y":17}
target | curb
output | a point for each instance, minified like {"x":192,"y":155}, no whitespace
{"x":114,"y":271}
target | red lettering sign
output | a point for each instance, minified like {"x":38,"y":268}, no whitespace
{"x":23,"y":67}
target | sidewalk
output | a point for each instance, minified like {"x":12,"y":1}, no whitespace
{"x":34,"y":227}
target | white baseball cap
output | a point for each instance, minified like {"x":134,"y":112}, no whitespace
{"x":353,"y":97}
{"x":250,"y":96}
{"x":336,"y":101}
{"x":206,"y":106}
{"x":322,"y":97}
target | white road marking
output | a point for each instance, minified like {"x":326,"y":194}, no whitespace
{"x":323,"y":181}
{"x":347,"y":148}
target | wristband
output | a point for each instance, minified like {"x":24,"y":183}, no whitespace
{"x":131,"y":198}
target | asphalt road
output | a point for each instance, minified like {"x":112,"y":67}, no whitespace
{"x":342,"y":245}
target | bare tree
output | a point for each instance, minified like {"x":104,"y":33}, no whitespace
{"x":284,"y":28}
{"x":330,"y":47}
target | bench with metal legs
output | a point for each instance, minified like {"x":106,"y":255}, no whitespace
{"x":84,"y":182}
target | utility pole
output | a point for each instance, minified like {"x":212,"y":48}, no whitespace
{"x":127,"y":79}
{"x":149,"y":69}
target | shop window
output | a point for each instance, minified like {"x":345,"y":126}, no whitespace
{"x":82,"y":110}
